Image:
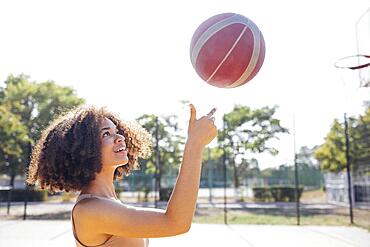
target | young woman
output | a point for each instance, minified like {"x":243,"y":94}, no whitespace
{"x":88,"y":148}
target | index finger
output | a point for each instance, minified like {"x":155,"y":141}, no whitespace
{"x":211,"y":112}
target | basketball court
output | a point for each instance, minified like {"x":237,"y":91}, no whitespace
{"x":354,"y":75}
{"x":59,"y":233}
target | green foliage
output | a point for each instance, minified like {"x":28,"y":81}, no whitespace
{"x":165,"y":194}
{"x":248,"y":132}
{"x":13,"y":137}
{"x":310,"y":176}
{"x":276,"y":193}
{"x":332,"y":153}
{"x":262,"y":194}
{"x":26,"y":108}
{"x":169,"y":143}
{"x":361,"y":141}
{"x":67,"y":197}
{"x":36,"y":103}
{"x":165,"y":131}
{"x":146,"y":190}
{"x":19,"y":195}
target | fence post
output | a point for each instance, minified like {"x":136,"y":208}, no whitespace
{"x":210,"y":185}
{"x":348,"y":167}
{"x":297,"y":189}
{"x":9,"y":198}
{"x":25,"y":204}
{"x":225,"y":170}
{"x":296,"y":175}
{"x":157,"y":169}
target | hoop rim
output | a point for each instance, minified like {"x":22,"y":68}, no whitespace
{"x":359,"y":66}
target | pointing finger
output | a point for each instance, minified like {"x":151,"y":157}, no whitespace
{"x":193,"y":113}
{"x":211,"y":112}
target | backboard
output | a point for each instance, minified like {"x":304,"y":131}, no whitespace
{"x":363,"y":46}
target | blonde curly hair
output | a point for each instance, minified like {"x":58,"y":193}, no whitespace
{"x":68,"y":154}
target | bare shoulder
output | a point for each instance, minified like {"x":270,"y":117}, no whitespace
{"x":114,"y":218}
{"x":84,"y":207}
{"x":83,"y":221}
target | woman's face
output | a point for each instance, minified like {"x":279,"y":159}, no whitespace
{"x":113,"y":146}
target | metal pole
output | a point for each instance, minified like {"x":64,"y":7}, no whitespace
{"x":348,"y":167}
{"x":224,"y":168}
{"x":156,"y":164}
{"x":296,"y":176}
{"x":25,"y":203}
{"x":9,"y":198}
{"x":209,"y":175}
{"x":297,"y":189}
{"x":27,"y":187}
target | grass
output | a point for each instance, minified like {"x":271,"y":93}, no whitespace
{"x":238,"y":217}
{"x":313,"y":196}
{"x":332,"y":217}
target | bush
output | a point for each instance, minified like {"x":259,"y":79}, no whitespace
{"x":19,"y":195}
{"x":276,"y":193}
{"x":165,"y":193}
{"x":146,"y":191}
{"x":285,"y":193}
{"x":68,"y":197}
{"x":118,"y":189}
{"x":262,"y":194}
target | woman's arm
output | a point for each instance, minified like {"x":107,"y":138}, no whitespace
{"x":105,"y":217}
{"x":182,"y":203}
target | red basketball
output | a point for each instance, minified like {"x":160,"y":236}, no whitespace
{"x":227,"y":50}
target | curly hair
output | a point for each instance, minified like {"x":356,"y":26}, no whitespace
{"x":68,"y":154}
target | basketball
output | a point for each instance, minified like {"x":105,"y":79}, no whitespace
{"x":227,"y":50}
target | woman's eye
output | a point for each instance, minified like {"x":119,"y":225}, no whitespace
{"x":106,"y":134}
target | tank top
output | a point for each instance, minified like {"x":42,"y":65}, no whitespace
{"x":112,"y":241}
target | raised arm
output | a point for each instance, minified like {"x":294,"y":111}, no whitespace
{"x":182,"y":203}
{"x":106,"y":217}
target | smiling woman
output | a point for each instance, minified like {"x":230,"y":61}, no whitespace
{"x":86,"y":149}
{"x":68,"y":154}
{"x":113,"y":146}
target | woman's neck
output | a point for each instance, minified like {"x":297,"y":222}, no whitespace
{"x":102,"y":185}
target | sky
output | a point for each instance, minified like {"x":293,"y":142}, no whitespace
{"x":133,"y":57}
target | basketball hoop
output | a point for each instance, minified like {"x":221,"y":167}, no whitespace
{"x":357,"y":62}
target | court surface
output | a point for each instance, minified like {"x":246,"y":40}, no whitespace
{"x":14,"y":233}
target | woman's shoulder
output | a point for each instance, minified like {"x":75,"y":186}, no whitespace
{"x":87,"y":204}
{"x":83,"y":208}
{"x":84,"y":215}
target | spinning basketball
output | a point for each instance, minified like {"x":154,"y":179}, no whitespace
{"x":227,"y":50}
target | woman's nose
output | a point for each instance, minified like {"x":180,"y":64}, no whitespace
{"x":119,"y":138}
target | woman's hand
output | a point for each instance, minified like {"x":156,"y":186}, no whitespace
{"x":203,"y":130}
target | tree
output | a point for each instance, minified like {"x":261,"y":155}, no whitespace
{"x":331,"y":154}
{"x":37,"y":103}
{"x":309,"y":176}
{"x":309,"y":173}
{"x":170,"y":143}
{"x":361,"y":141}
{"x":248,"y":132}
{"x":34,"y":105}
{"x":13,"y":137}
{"x":306,"y":156}
{"x":213,"y":168}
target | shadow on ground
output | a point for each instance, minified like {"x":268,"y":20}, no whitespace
{"x":47,"y":216}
